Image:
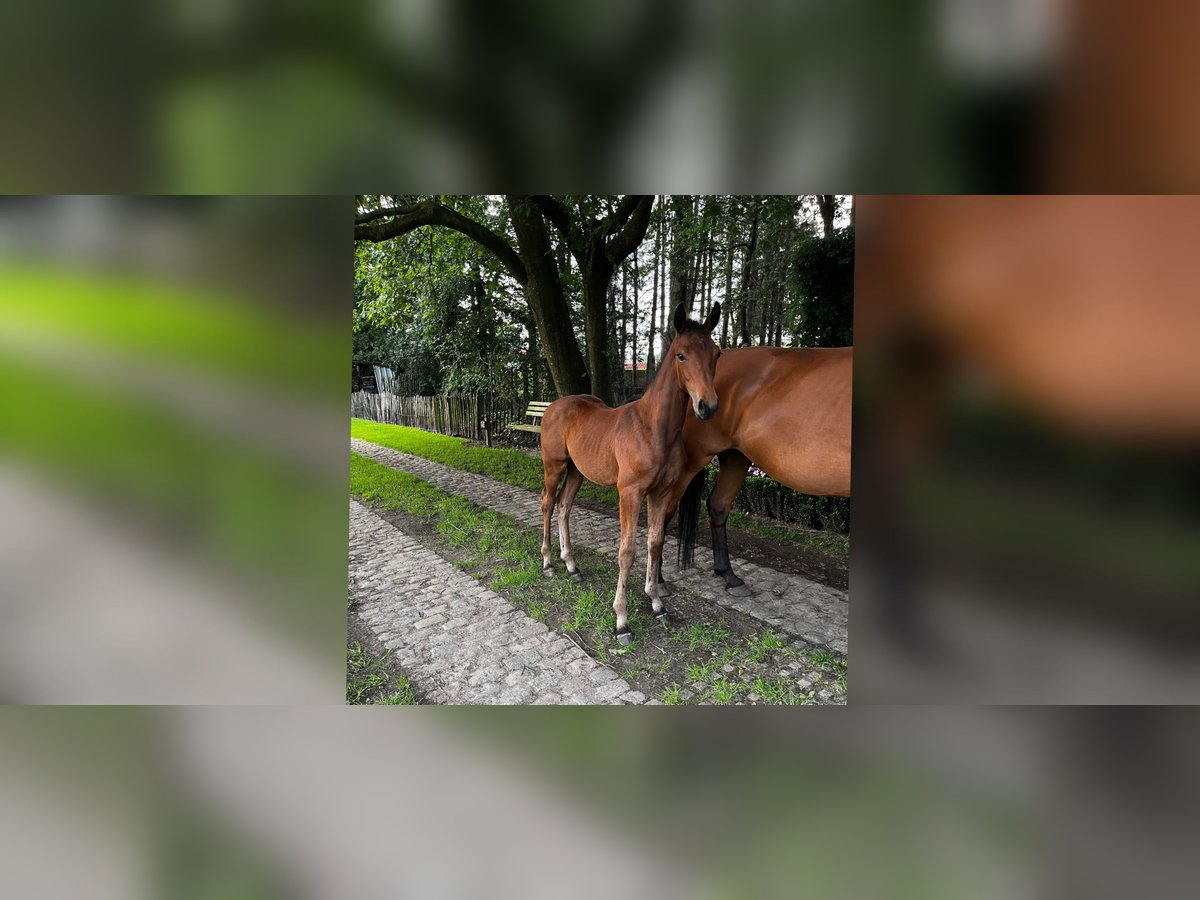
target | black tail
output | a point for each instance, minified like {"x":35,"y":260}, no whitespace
{"x":689,"y":518}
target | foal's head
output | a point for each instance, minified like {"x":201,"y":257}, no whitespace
{"x":694,"y":356}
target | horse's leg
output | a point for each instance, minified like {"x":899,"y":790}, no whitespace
{"x":631,"y":501}
{"x":553,"y":470}
{"x":668,"y":514}
{"x":656,"y":526}
{"x":730,"y":478}
{"x":566,"y":497}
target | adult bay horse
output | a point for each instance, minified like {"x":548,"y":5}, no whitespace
{"x":785,"y":410}
{"x":638,"y":447}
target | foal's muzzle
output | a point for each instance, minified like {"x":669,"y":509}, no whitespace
{"x":705,"y":410}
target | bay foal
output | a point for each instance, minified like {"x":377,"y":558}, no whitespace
{"x":637,"y":447}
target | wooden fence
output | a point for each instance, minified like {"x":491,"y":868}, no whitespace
{"x":455,"y":414}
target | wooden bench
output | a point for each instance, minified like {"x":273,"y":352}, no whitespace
{"x":536,"y":410}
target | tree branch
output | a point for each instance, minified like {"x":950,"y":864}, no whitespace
{"x":555,"y":213}
{"x":430,"y":212}
{"x":382,"y":213}
{"x":558,"y":216}
{"x":612,"y":223}
{"x":635,"y":229}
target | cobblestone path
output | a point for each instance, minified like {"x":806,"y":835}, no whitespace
{"x":457,"y":640}
{"x":813,"y":612}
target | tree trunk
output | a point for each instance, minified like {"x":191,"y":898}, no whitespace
{"x":653,"y":330}
{"x":634,"y":330}
{"x":543,"y":291}
{"x":747,"y":273}
{"x":827,"y":204}
{"x":681,"y":260}
{"x":597,"y":275}
{"x":728,"y":280}
{"x":624,"y":324}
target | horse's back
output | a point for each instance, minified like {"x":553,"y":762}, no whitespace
{"x":789,"y":411}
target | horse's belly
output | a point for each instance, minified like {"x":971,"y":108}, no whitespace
{"x":597,"y":465}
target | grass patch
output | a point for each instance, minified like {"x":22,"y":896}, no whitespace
{"x":368,"y":680}
{"x":702,"y":634}
{"x":510,"y":466}
{"x":672,"y":695}
{"x":778,"y":693}
{"x":762,"y":645}
{"x":827,"y":542}
{"x":725,"y":691}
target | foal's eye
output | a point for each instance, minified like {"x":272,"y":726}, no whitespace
{"x":681,"y":357}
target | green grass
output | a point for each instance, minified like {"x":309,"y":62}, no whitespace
{"x":827,"y":542}
{"x":775,"y":692}
{"x":724,"y":691}
{"x":368,"y":681}
{"x":508,"y":466}
{"x":762,"y":645}
{"x":672,"y":695}
{"x":702,"y":634}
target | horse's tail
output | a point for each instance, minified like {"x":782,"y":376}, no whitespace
{"x":689,"y":518}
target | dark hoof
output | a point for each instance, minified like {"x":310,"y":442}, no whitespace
{"x":547,"y":571}
{"x":625,"y":638}
{"x":661,"y":616}
{"x":664,"y":590}
{"x":740,"y":591}
{"x":731,"y":580}
{"x":577,"y":575}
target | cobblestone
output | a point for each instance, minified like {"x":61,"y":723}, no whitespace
{"x":814,"y":612}
{"x":405,"y":591}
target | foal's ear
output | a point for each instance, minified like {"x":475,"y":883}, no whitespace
{"x":679,"y":318}
{"x":713,"y":318}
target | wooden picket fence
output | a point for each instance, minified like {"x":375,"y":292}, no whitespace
{"x":459,"y":415}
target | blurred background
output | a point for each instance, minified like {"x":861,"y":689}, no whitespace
{"x":362,"y":802}
{"x":1027,"y":420}
{"x":1036,"y":550}
{"x":666,"y":97}
{"x":172,"y":449}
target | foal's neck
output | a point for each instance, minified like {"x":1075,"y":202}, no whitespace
{"x":664,"y":404}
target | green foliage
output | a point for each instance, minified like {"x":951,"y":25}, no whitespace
{"x":823,"y":280}
{"x":438,"y":309}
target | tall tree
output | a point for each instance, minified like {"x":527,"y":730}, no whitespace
{"x":653,"y":330}
{"x":744,"y":319}
{"x":599,"y":245}
{"x":683,"y":213}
